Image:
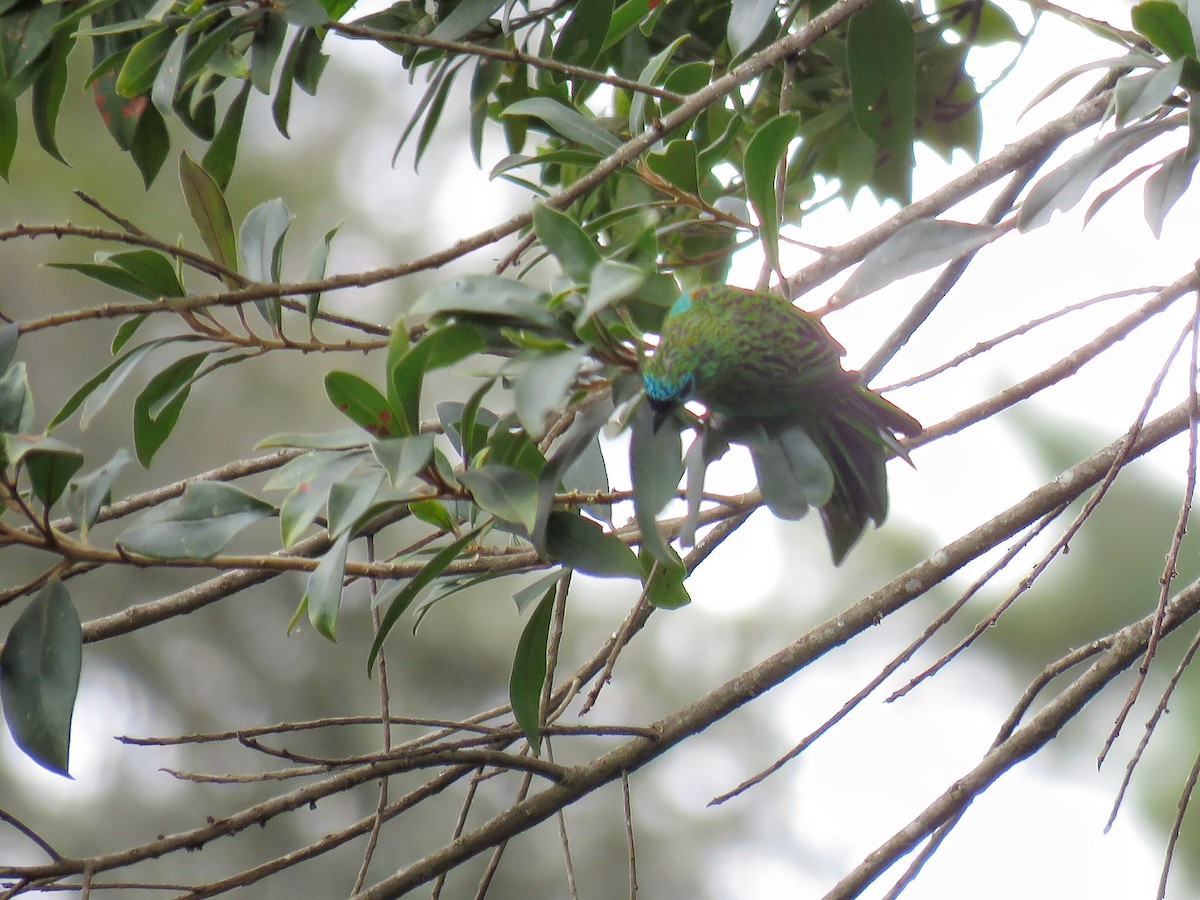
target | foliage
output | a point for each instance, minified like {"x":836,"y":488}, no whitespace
{"x":655,"y":140}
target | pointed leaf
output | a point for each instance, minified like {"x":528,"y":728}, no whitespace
{"x":88,"y":494}
{"x":350,"y":499}
{"x":1166,"y":186}
{"x":566,"y":241}
{"x":16,"y":400}
{"x":39,"y":676}
{"x":657,"y":466}
{"x":581,"y":40}
{"x":916,"y":247}
{"x":208,"y":209}
{"x":505,"y":492}
{"x":464,"y":17}
{"x":747,"y":19}
{"x":1138,"y":96}
{"x":529,"y":672}
{"x":664,"y":583}
{"x":154,"y":419}
{"x":261,"y":239}
{"x":527,"y":596}
{"x":219,"y":158}
{"x":50,"y":463}
{"x":488,"y":298}
{"x":406,"y":593}
{"x":441,"y":347}
{"x":568,"y":122}
{"x":197,"y":525}
{"x":402,"y":458}
{"x":542,"y":387}
{"x":792,"y":472}
{"x":610,"y":282}
{"x":583,"y":545}
{"x":1166,"y":26}
{"x":323,"y":595}
{"x":1065,"y":186}
{"x":768,"y":146}
{"x":361,"y":402}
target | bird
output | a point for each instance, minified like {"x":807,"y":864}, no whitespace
{"x":771,"y":378}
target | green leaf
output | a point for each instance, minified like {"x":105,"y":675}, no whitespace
{"x":88,"y":494}
{"x":678,"y":166}
{"x":310,"y":496}
{"x":1166,"y":26}
{"x":529,"y":672}
{"x":323,"y":595}
{"x":162,"y":92}
{"x":431,"y":512}
{"x":142,"y":63}
{"x":767,"y":148}
{"x":39,"y":676}
{"x":349,"y":499}
{"x":566,"y":241}
{"x":581,"y":40}
{"x":588,"y":474}
{"x":880,"y":51}
{"x":1065,"y":186}
{"x":505,"y":492}
{"x":403,"y":457}
{"x":206,"y":203}
{"x":49,"y":462}
{"x":94,"y":393}
{"x":747,"y":19}
{"x":578,"y":438}
{"x":361,"y":402}
{"x":464,"y":17}
{"x":1166,"y":186}
{"x":326,"y":440}
{"x":543,"y":386}
{"x":610,"y":282}
{"x":150,"y":143}
{"x":308,"y":467}
{"x":152,"y":422}
{"x":793,"y":473}
{"x":664,"y":583}
{"x":437,"y":349}
{"x":1138,"y":96}
{"x":36,"y":36}
{"x":265,"y":50}
{"x":651,"y":74}
{"x":407,"y":593}
{"x":10,"y":334}
{"x":8,"y":133}
{"x":261,"y":245}
{"x":528,"y":596}
{"x":316,"y":271}
{"x":197,"y":525}
{"x":48,"y":91}
{"x":914,"y":248}
{"x":656,"y":462}
{"x":489,"y":299}
{"x":983,"y":24}
{"x":305,"y":13}
{"x":584,"y":545}
{"x":16,"y":400}
{"x":221,"y":154}
{"x":566,"y":121}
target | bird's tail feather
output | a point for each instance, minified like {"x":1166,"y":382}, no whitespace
{"x":856,"y":439}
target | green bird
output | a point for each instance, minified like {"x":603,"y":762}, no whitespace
{"x":771,"y":378}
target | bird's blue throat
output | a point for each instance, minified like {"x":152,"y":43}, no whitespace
{"x":663,"y":392}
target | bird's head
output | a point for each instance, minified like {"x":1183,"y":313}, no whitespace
{"x":666,"y":393}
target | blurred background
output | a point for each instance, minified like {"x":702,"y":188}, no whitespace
{"x":1039,"y":832}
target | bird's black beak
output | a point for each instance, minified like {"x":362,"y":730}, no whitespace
{"x":662,"y":412}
